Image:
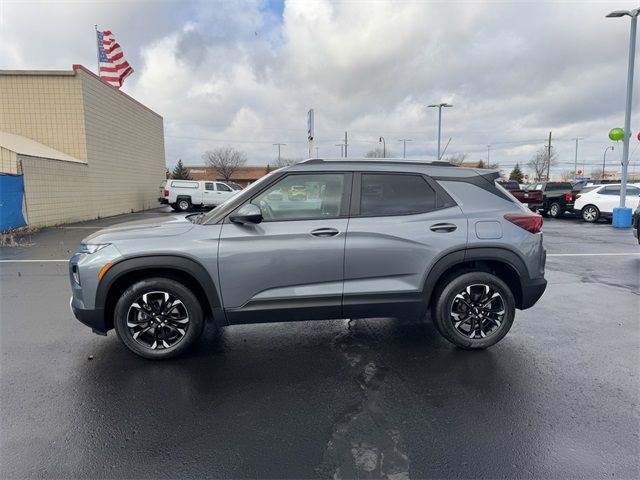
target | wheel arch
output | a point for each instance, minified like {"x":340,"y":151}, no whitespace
{"x":503,"y":263}
{"x":185,"y":270}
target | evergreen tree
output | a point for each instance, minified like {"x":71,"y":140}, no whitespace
{"x":481,"y":164}
{"x":180,"y":172}
{"x":516,"y":174}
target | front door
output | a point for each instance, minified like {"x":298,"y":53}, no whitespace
{"x":289,"y":266}
{"x":223,"y":192}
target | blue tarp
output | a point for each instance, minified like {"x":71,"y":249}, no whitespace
{"x":11,"y":194}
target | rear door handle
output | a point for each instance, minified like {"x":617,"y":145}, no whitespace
{"x":443,"y":227}
{"x":324,"y":232}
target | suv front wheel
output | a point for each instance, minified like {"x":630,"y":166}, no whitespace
{"x":158,"y":318}
{"x":474,"y":310}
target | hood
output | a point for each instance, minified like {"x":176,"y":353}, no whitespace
{"x":141,"y":229}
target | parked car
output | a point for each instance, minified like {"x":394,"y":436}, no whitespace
{"x":529,"y":198}
{"x":383,"y":238}
{"x":557,"y":198}
{"x":636,"y":223}
{"x":600,"y":201}
{"x":182,"y":195}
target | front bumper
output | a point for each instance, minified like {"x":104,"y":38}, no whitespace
{"x":532,"y":290}
{"x":93,"y":318}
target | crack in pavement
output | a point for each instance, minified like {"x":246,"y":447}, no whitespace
{"x":364,"y":443}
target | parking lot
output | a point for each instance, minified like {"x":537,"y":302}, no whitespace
{"x":375,"y":398}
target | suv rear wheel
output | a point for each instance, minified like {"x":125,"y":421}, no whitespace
{"x":158,"y":318}
{"x":474,"y":310}
{"x":590,"y":213}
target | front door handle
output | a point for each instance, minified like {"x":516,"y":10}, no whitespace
{"x":324,"y":232}
{"x":443,"y":227}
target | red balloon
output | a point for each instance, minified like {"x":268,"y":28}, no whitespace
{"x":639,"y":136}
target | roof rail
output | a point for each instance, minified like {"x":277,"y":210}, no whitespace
{"x":378,"y":160}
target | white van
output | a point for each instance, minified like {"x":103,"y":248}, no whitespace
{"x":184,"y":194}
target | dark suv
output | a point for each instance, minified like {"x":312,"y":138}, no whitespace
{"x":368,"y":239}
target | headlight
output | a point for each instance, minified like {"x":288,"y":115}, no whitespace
{"x":92,"y":247}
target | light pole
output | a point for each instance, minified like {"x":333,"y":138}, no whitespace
{"x":439,"y":106}
{"x":404,"y":146}
{"x":575,"y":160}
{"x":317,"y":152}
{"x":341,"y":145}
{"x":604,"y":159}
{"x":278,"y":145}
{"x":384,"y":147}
{"x":622,"y":217}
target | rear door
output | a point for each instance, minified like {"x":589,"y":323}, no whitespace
{"x":400,"y":224}
{"x":209,"y":194}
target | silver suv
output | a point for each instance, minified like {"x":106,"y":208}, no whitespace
{"x":367,"y":238}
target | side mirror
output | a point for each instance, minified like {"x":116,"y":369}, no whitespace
{"x":248,"y":213}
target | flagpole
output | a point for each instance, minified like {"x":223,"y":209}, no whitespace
{"x":97,"y":49}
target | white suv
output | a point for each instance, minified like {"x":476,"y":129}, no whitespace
{"x":593,"y":203}
{"x":184,"y":194}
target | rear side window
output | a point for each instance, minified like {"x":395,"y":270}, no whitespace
{"x":610,"y":191}
{"x":179,"y":184}
{"x":208,"y":186}
{"x":383,"y":194}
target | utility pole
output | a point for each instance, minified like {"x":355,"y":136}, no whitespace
{"x":604,"y":159}
{"x":549,"y":157}
{"x":439,"y":106}
{"x":575,"y":159}
{"x":384,"y":147}
{"x":404,"y":146}
{"x":341,"y":145}
{"x":278,"y":145}
{"x":488,"y":155}
{"x":345,"y":145}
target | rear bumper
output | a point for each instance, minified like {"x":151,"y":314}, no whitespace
{"x":93,"y":318}
{"x":163,"y":200}
{"x":532,"y":290}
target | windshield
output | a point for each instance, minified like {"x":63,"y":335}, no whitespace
{"x":222,"y":209}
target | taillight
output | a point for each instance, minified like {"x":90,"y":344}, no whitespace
{"x":568,"y":196}
{"x":531,"y":222}
{"x":578,"y":195}
{"x":165,"y":193}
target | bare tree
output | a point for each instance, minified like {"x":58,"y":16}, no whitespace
{"x":378,"y":153}
{"x":596,"y":175}
{"x":225,"y":160}
{"x":567,"y":175}
{"x":541,"y":161}
{"x":456,"y":159}
{"x":285,"y":162}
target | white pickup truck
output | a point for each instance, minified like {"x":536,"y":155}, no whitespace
{"x":185,"y":194}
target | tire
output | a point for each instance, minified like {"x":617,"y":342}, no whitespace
{"x":161,"y":336}
{"x":590,"y":213}
{"x":482,"y":329}
{"x":174,"y":207}
{"x":183,"y":204}
{"x":555,"y":210}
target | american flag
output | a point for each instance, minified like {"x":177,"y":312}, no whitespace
{"x":113,"y":67}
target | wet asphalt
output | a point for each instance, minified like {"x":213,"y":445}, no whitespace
{"x":375,"y":398}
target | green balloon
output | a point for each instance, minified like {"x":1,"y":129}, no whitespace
{"x":616,"y":134}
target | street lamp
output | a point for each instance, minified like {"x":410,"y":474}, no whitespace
{"x":384,"y":147}
{"x":439,"y":106}
{"x":404,"y":146}
{"x":622,"y":216}
{"x":604,"y":158}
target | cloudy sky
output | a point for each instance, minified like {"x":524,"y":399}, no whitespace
{"x":245,"y":72}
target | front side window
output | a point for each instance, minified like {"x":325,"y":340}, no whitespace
{"x":298,"y":197}
{"x":633,"y":191}
{"x":392,"y":194}
{"x":222,"y":187}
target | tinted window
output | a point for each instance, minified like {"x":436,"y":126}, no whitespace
{"x":222,"y":187}
{"x":510,"y":185}
{"x":179,"y":184}
{"x":297,"y":197}
{"x":633,"y":191}
{"x":610,"y":191}
{"x":208,"y":186}
{"x":388,"y":194}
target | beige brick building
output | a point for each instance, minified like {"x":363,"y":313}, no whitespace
{"x":85,"y":149}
